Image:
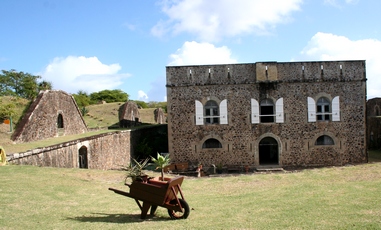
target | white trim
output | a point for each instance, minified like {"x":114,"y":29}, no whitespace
{"x":311,"y":109}
{"x":254,"y":111}
{"x":336,"y":108}
{"x":199,"y":113}
{"x":223,"y":112}
{"x":279,"y":111}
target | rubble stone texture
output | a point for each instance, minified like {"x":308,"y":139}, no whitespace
{"x":295,"y":138}
{"x":129,"y":115}
{"x":53,"y":113}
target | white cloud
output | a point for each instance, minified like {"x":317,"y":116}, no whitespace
{"x":213,"y":20}
{"x":194,"y":53}
{"x":142,"y":96}
{"x":327,"y":47}
{"x":73,"y":73}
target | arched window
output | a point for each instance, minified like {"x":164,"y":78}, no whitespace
{"x":267,"y":111}
{"x":211,"y":144}
{"x":60,"y":123}
{"x":323,"y":109}
{"x":212,"y":114}
{"x":324,"y":140}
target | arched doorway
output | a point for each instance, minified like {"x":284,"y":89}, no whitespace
{"x":82,"y":157}
{"x":268,"y":151}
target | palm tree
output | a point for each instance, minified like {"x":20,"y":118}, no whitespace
{"x":161,"y":162}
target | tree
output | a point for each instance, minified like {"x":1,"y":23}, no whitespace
{"x":19,"y":84}
{"x":45,"y":85}
{"x":109,"y":96}
{"x":82,"y":98}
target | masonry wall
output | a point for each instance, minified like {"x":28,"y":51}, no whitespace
{"x":374,"y":123}
{"x":105,"y":151}
{"x":294,"y":82}
{"x":41,"y":120}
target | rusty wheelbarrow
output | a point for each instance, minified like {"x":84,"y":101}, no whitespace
{"x":154,"y":193}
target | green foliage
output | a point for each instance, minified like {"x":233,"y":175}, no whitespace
{"x":7,"y":110}
{"x":109,"y":96}
{"x":161,"y":162}
{"x":142,"y":104}
{"x":45,"y":85}
{"x":135,"y":169}
{"x":84,"y":111}
{"x":82,"y":99}
{"x":155,"y":104}
{"x":13,"y":83}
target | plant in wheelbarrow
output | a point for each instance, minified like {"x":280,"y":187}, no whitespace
{"x":161,"y":162}
{"x":135,"y":170}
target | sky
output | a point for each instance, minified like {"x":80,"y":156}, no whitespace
{"x":93,"y":45}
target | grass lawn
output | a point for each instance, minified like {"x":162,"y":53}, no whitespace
{"x":325,"y":198}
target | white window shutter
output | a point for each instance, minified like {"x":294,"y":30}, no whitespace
{"x":336,"y":109}
{"x":311,"y":109}
{"x":279,"y":111}
{"x":224,"y":112}
{"x":254,"y":111}
{"x":199,"y":113}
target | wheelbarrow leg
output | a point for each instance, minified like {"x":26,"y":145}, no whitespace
{"x":145,"y":209}
{"x":153,"y":209}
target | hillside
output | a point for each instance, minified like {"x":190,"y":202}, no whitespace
{"x":105,"y":115}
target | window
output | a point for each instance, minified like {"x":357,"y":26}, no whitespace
{"x":211,"y":113}
{"x":324,"y":140}
{"x":60,"y":123}
{"x":211,"y":144}
{"x":323,"y":110}
{"x":266,"y":112}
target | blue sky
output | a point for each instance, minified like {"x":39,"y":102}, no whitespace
{"x":92,"y":45}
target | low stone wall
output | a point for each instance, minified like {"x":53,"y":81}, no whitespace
{"x":104,"y":151}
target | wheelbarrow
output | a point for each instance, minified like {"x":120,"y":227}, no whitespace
{"x":154,"y":193}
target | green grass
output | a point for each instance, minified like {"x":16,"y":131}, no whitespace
{"x":326,"y":198}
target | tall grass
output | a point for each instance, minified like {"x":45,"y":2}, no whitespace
{"x":326,"y":198}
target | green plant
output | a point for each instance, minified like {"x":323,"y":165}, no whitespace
{"x":135,"y":170}
{"x":84,"y":111}
{"x":161,"y":162}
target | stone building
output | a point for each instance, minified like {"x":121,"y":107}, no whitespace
{"x":53,"y":113}
{"x":281,"y":114}
{"x":129,"y":115}
{"x":373,"y":107}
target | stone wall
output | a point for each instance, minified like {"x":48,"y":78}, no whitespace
{"x":374,"y":123}
{"x":296,"y":137}
{"x":53,"y":113}
{"x":104,"y":151}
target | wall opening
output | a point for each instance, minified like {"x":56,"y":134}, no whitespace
{"x":60,"y":123}
{"x":82,"y":157}
{"x":268,"y":151}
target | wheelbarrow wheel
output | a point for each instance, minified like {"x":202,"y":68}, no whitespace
{"x":179,"y":215}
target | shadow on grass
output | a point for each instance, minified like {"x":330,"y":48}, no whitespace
{"x":115,"y":218}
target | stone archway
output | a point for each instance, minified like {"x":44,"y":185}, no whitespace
{"x":82,"y":157}
{"x":268,"y":151}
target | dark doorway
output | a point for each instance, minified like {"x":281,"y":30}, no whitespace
{"x":82,"y":157}
{"x":268,"y":151}
{"x":60,"y":123}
